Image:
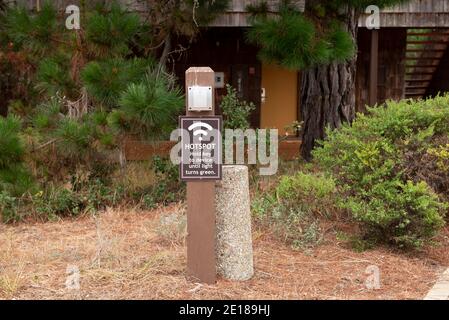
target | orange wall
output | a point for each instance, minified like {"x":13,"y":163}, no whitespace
{"x":280,"y":108}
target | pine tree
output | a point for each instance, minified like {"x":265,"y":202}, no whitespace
{"x":15,"y":180}
{"x":321,"y":42}
{"x":92,"y":69}
{"x":183,"y":18}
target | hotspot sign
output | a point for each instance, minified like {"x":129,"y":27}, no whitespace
{"x":201,"y":148}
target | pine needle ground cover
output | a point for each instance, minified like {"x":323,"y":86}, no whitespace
{"x":121,"y":255}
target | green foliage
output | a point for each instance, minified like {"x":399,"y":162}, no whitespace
{"x":11,"y":148}
{"x":235,"y":112}
{"x":341,"y":44}
{"x":383,"y":171}
{"x":150,"y":106}
{"x":33,"y":33}
{"x":169,"y":188}
{"x":53,"y":76}
{"x":302,"y":40}
{"x":314,"y":190}
{"x":292,"y":40}
{"x":73,"y":137}
{"x":110,"y":34}
{"x":441,"y":153}
{"x":106,"y":80}
{"x":14,"y":177}
{"x":258,"y":9}
{"x":89,"y":197}
{"x":294,"y":207}
{"x":16,"y":180}
{"x":47,"y":115}
{"x":94,"y":88}
{"x":8,"y":208}
{"x":58,"y":202}
{"x":206,"y":10}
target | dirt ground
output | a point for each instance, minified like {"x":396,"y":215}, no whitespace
{"x":122,"y":255}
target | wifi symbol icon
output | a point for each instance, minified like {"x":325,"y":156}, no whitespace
{"x":199,"y":129}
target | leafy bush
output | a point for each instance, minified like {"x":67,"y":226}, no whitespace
{"x":295,"y":206}
{"x":57,"y":202}
{"x":235,"y":112}
{"x":302,"y":188}
{"x":382,"y":169}
{"x":8,"y":207}
{"x":168,"y":188}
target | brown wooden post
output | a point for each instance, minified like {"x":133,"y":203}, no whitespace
{"x":374,"y":67}
{"x":201,"y":262}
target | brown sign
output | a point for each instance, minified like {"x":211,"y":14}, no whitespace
{"x":201,"y":153}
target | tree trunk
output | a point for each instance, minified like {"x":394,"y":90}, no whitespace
{"x":328,"y":94}
{"x":165,"y":53}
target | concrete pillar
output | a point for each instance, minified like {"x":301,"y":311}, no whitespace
{"x":234,"y":251}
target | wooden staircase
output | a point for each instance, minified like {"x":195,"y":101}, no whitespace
{"x":425,"y":49}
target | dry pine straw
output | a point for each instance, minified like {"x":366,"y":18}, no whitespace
{"x":121,"y":256}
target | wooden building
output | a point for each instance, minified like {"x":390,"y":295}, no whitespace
{"x":407,"y":57}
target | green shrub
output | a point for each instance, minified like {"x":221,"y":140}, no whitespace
{"x":58,"y":202}
{"x":294,"y":208}
{"x":14,"y":177}
{"x":11,"y":148}
{"x":168,"y":188}
{"x":84,"y":197}
{"x":8,"y":208}
{"x":314,"y":191}
{"x":382,"y":169}
{"x":235,"y":112}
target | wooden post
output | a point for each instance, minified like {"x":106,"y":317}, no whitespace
{"x":201,"y":261}
{"x":374,"y":67}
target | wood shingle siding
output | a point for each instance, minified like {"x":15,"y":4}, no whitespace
{"x":417,"y":13}
{"x":414,"y":14}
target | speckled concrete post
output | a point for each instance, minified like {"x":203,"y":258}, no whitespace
{"x":234,"y":249}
